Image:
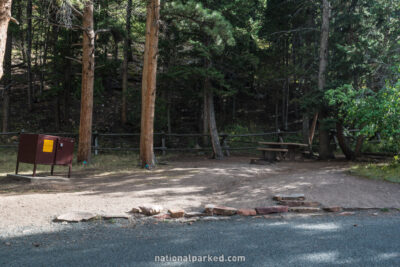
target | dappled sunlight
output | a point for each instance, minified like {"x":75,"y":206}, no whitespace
{"x":318,"y":226}
{"x":319,"y":257}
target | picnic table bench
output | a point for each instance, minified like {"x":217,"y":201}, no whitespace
{"x":270,"y":149}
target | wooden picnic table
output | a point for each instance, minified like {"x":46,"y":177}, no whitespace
{"x":276,"y":147}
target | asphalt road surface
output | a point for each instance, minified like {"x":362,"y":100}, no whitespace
{"x":359,"y":240}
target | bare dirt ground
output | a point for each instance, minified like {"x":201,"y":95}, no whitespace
{"x":190,"y":184}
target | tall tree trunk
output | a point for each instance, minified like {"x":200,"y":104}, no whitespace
{"x":5,"y":15}
{"x":344,"y":146}
{"x":359,"y":145}
{"x":29,"y":53}
{"x":7,"y":82}
{"x":216,"y":145}
{"x":85,"y":128}
{"x":325,"y":151}
{"x":125,"y":63}
{"x":305,"y":129}
{"x":205,"y":118}
{"x":149,"y":84}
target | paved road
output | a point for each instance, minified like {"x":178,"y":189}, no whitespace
{"x":361,"y":240}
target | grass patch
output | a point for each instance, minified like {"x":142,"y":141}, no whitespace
{"x":386,"y":172}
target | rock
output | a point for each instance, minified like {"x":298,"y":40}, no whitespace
{"x":209,"y":209}
{"x":76,"y":216}
{"x":194,"y":214}
{"x":224,"y":211}
{"x":162,"y":216}
{"x":7,"y":244}
{"x":297,"y":203}
{"x":304,"y":209}
{"x":247,"y":212}
{"x":332,"y":209}
{"x":36,"y":244}
{"x":108,"y":216}
{"x":271,"y":209}
{"x":346,"y":213}
{"x":176,"y":213}
{"x":135,"y":210}
{"x":289,"y":197}
{"x":150,"y":210}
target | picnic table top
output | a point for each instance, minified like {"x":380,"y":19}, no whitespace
{"x":283,"y":144}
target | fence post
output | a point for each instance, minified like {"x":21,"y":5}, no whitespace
{"x":96,"y":143}
{"x":163,"y":144}
{"x":225,"y":144}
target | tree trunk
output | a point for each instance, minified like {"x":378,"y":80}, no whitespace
{"x":5,"y":15}
{"x":7,"y":82}
{"x":305,"y":130}
{"x":216,"y":145}
{"x":205,"y":118}
{"x":359,"y":145}
{"x":344,"y":146}
{"x":125,"y":63}
{"x":149,"y":84}
{"x":324,"y":144}
{"x":85,"y":128}
{"x":29,"y":52}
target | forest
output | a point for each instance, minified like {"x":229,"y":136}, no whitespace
{"x":323,"y":68}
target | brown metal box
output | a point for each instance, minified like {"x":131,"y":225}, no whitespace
{"x":45,"y":149}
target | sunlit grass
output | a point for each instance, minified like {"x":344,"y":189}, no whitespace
{"x":384,"y":171}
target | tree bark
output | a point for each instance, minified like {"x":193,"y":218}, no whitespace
{"x":29,"y":53}
{"x":7,"y":82}
{"x":85,"y":128}
{"x":216,"y":145}
{"x":149,"y":84}
{"x":205,"y":118}
{"x":5,"y":15}
{"x":344,"y":146}
{"x":125,"y":63}
{"x":325,"y":151}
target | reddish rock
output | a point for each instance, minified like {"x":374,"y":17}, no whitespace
{"x":162,"y":216}
{"x":247,"y":212}
{"x":224,"y":211}
{"x":304,"y":209}
{"x":332,"y":209}
{"x":176,"y":213}
{"x":297,"y":203}
{"x":272,"y":209}
{"x":346,"y":213}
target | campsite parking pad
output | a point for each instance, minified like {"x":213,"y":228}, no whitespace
{"x":360,"y":240}
{"x":190,"y":184}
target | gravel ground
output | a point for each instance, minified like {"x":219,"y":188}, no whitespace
{"x":360,"y":240}
{"x":190,"y":184}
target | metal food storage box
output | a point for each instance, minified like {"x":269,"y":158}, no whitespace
{"x":45,"y":149}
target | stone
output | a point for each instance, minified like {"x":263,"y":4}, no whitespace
{"x":194,"y":214}
{"x":176,"y":213}
{"x":224,"y":211}
{"x":346,"y":213}
{"x":76,"y":216}
{"x":289,"y":197}
{"x":162,"y":216}
{"x":297,"y":203}
{"x":247,"y":212}
{"x":209,"y":209}
{"x":304,"y":209}
{"x":332,"y":209}
{"x":271,"y":209}
{"x":135,"y":210}
{"x":150,"y":210}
